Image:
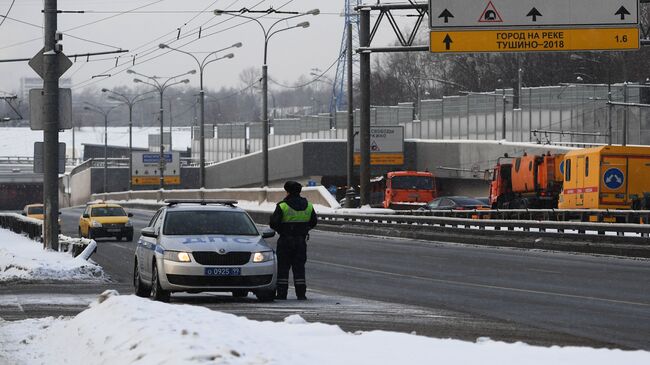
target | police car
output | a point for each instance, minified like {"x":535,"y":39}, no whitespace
{"x":205,"y":245}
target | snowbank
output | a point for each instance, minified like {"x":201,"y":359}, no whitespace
{"x":25,"y":260}
{"x":127,"y":329}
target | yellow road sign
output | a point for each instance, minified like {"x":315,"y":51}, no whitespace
{"x":534,"y":40}
{"x":155,"y":180}
{"x":382,"y":159}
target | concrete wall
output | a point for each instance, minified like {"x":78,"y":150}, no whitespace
{"x":317,"y":195}
{"x":80,"y":187}
{"x":477,"y":155}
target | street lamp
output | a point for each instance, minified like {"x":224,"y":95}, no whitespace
{"x":160,"y":87}
{"x":202,"y":65}
{"x":104,"y":112}
{"x":130,"y":103}
{"x":268,"y":33}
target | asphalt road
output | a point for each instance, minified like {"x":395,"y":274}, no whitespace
{"x":441,"y":290}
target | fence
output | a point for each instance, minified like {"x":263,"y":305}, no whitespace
{"x":576,"y":115}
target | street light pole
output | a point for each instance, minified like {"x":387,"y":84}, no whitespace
{"x":160,"y":87}
{"x":130,"y":103}
{"x":202,"y":65}
{"x":265,"y":113}
{"x":104,"y":112}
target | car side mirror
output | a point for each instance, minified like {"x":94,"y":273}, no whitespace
{"x":268,"y":233}
{"x":86,"y":215}
{"x":23,"y":213}
{"x":130,"y":215}
{"x":149,"y":232}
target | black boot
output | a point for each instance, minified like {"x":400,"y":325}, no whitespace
{"x":281,"y":292}
{"x":301,"y":290}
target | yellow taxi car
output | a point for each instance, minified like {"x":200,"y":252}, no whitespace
{"x":36,"y":211}
{"x":101,"y":219}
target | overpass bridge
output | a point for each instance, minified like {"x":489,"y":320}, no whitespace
{"x":19,"y":185}
{"x":317,"y":160}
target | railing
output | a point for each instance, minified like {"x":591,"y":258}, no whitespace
{"x":555,"y":215}
{"x":566,"y":229}
{"x":33,"y":228}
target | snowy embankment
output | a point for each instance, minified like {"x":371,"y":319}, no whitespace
{"x":127,"y":329}
{"x":22,"y":259}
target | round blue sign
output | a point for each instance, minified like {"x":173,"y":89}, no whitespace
{"x":613,"y":178}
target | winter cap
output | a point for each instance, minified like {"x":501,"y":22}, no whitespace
{"x":292,"y":187}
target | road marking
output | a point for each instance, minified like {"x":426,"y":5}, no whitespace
{"x":483,"y":286}
{"x":546,"y":271}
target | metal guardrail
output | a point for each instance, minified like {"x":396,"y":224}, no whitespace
{"x":18,"y":224}
{"x":565,"y":229}
{"x":554,"y":215}
{"x":33,"y":228}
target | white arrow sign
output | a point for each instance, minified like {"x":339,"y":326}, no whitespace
{"x":446,"y":14}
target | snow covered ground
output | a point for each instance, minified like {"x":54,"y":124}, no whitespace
{"x":128,"y":329}
{"x":20,"y":141}
{"x":22,"y":259}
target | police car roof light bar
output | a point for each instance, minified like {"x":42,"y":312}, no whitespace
{"x":171,"y":202}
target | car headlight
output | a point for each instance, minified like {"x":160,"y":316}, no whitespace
{"x":128,"y":223}
{"x":263,"y":256}
{"x":178,"y":256}
{"x":96,"y":224}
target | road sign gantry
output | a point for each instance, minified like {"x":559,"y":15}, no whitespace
{"x":533,"y":25}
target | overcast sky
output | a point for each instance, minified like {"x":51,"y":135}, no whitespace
{"x":140,"y":25}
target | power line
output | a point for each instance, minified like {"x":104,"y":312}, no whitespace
{"x":156,"y":48}
{"x":8,"y":11}
{"x":310,"y":82}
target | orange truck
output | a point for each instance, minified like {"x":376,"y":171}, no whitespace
{"x":607,"y":177}
{"x":403,"y":189}
{"x":529,"y":181}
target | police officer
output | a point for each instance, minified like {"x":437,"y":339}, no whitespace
{"x":292,"y":219}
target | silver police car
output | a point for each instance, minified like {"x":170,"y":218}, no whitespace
{"x":203,"y":245}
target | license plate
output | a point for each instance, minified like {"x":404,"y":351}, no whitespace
{"x":222,"y":271}
{"x":113,"y":230}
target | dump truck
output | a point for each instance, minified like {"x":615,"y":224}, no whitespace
{"x":529,"y":181}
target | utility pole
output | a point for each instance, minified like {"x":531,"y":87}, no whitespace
{"x":364,"y":127}
{"x":349,"y":194}
{"x":51,"y":127}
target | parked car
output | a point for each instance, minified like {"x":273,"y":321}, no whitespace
{"x":201,"y":246}
{"x":100,"y":219}
{"x":455,"y":203}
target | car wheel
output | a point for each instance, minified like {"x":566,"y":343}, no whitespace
{"x":129,"y":238}
{"x":241,"y":293}
{"x":265,"y":295}
{"x":158,"y":293}
{"x":141,"y":289}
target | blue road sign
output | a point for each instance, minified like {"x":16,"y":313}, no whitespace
{"x":613,"y":178}
{"x":155,"y":157}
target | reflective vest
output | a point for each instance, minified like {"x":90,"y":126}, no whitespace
{"x":290,"y":215}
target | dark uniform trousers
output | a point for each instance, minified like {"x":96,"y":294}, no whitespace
{"x":292,"y":255}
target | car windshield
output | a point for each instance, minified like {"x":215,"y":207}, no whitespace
{"x":35,"y":210}
{"x":107,"y":212}
{"x":412,"y":182}
{"x":187,"y":223}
